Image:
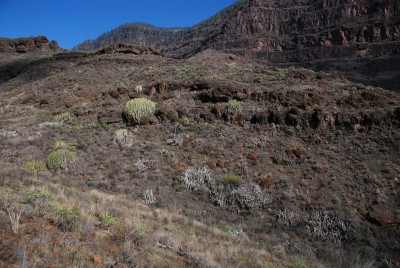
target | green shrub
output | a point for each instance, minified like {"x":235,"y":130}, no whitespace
{"x":62,"y":117}
{"x":35,"y":165}
{"x":186,"y":72}
{"x":234,"y":106}
{"x":37,"y":194}
{"x":278,"y":160}
{"x":172,"y":115}
{"x":60,"y":144}
{"x":282,"y":73}
{"x":61,"y":159}
{"x":40,"y":201}
{"x":231,"y":180}
{"x":108,"y":219}
{"x":138,"y":111}
{"x":66,"y":217}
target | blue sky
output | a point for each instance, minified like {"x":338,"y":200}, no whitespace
{"x":71,"y":22}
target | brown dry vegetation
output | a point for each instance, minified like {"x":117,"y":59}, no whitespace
{"x":310,"y":141}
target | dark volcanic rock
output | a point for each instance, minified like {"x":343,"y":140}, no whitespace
{"x":128,"y":49}
{"x":29,"y":44}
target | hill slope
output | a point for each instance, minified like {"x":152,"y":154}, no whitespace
{"x":239,"y":166}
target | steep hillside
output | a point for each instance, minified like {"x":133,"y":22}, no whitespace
{"x":223,"y":162}
{"x":177,"y":42}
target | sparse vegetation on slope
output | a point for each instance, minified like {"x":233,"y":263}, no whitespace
{"x":259,"y":169}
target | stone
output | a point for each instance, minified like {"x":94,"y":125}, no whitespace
{"x":221,"y":164}
{"x":267,"y":182}
{"x":97,"y":259}
{"x":291,"y":154}
{"x":397,"y":113}
{"x":378,"y":216}
{"x":254,"y":155}
{"x":110,"y":117}
{"x":184,"y":163}
{"x":260,"y":118}
{"x":119,"y":93}
{"x":291,"y":119}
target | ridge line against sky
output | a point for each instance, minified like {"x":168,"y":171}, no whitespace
{"x":72,"y":22}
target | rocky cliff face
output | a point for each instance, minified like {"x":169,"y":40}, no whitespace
{"x":298,"y":31}
{"x":278,"y":31}
{"x":29,"y":44}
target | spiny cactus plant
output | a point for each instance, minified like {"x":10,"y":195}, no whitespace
{"x":137,"y":111}
{"x":196,"y":177}
{"x":288,"y":218}
{"x":325,"y":226}
{"x":148,"y":197}
{"x":123,"y":138}
{"x":245,"y":196}
{"x":62,"y":158}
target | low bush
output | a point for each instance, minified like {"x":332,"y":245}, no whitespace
{"x":60,"y":144}
{"x":62,"y":158}
{"x":62,"y":117}
{"x":148,"y":197}
{"x":288,"y":218}
{"x":108,"y":219}
{"x":172,"y":115}
{"x":246,"y":196}
{"x":175,"y":140}
{"x":196,"y":177}
{"x":234,"y":106}
{"x":41,"y":201}
{"x":123,"y":138}
{"x":35,"y":165}
{"x":323,"y":226}
{"x":66,"y":217}
{"x":257,"y":142}
{"x":138,"y":111}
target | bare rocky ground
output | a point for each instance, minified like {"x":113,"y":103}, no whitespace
{"x":307,"y":164}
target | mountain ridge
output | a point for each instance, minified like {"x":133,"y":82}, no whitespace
{"x":276,"y":31}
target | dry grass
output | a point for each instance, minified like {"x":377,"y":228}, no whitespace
{"x":146,"y":234}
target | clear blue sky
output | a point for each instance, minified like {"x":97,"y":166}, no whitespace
{"x":74,"y":21}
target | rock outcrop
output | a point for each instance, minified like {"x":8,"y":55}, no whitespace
{"x":29,"y":44}
{"x":283,"y":31}
{"x":122,"y":48}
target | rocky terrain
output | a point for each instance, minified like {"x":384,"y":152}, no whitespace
{"x":29,"y":44}
{"x":238,"y":165}
{"x":279,"y":32}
